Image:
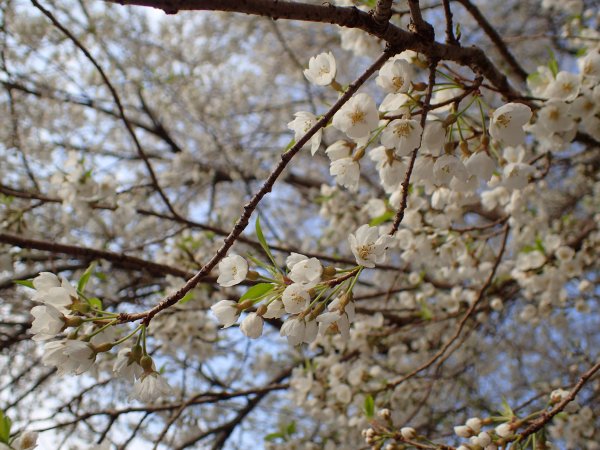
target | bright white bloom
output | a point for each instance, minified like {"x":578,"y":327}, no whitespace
{"x":508,"y":121}
{"x":504,"y":430}
{"x":299,"y":330}
{"x":25,"y":441}
{"x":480,"y":165}
{"x":391,"y":171}
{"x":59,"y":296}
{"x":530,"y":260}
{"x":337,"y":319}
{"x":367,"y":246}
{"x":232,"y":270}
{"x":346,"y":172}
{"x":339,"y":149}
{"x":45,"y":281}
{"x":125,"y":367}
{"x":555,"y":116}
{"x":227,"y":312}
{"x":303,"y":122}
{"x":150,"y":387}
{"x":395,"y":76}
{"x":448,"y":166}
{"x":433,"y":137}
{"x":589,"y":66}
{"x":564,"y":87}
{"x":307,"y":272}
{"x":47,"y":323}
{"x":294,"y":259}
{"x":275,"y":310}
{"x":252,"y":325}
{"x":402,"y":134}
{"x":321,"y":69}
{"x":357,"y":117}
{"x":516,"y":172}
{"x":408,"y":433}
{"x":539,"y":81}
{"x":295,"y":298}
{"x":69,"y":356}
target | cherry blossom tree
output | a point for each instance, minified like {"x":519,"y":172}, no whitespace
{"x":300,"y":224}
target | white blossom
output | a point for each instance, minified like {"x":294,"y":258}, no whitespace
{"x":252,"y":325}
{"x":125,"y":367}
{"x":395,"y":76}
{"x":69,"y":356}
{"x":367,"y":246}
{"x":227,"y":312}
{"x":232,"y":270}
{"x":404,"y":135}
{"x":25,"y":441}
{"x":306,"y":272}
{"x":150,"y":387}
{"x":346,"y":172}
{"x":508,"y":121}
{"x":47,"y":322}
{"x":321,"y":69}
{"x":303,"y":122}
{"x":357,"y":117}
{"x":295,"y":298}
{"x":504,"y":430}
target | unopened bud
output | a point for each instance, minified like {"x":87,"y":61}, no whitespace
{"x":317,"y":310}
{"x":245,"y":305}
{"x":329,"y":272}
{"x":485,"y":141}
{"x":464,"y":148}
{"x":261,"y":310}
{"x":80,"y":307}
{"x":146,"y":363}
{"x":252,"y":275}
{"x":449,"y":147}
{"x":408,"y":433}
{"x":449,"y":120}
{"x":384,"y":414}
{"x":419,"y":86}
{"x":73,"y":321}
{"x":359,"y":154}
{"x":102,"y":348}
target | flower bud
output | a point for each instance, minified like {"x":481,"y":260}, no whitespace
{"x":252,"y":275}
{"x":146,"y":363}
{"x":103,"y":348}
{"x":420,"y":86}
{"x":329,"y":272}
{"x":408,"y":433}
{"x":73,"y":321}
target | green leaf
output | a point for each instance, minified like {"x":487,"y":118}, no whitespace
{"x":5,"y":424}
{"x":263,"y":242}
{"x":272,"y":436}
{"x":186,"y":298}
{"x":386,"y":216}
{"x":256,"y":291}
{"x":506,"y":410}
{"x":291,"y":428}
{"x":26,"y":283}
{"x":86,"y":277}
{"x":425,"y":312}
{"x":553,"y":63}
{"x":369,"y":406}
{"x":95,"y":302}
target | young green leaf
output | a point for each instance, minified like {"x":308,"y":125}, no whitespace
{"x":26,"y":283}
{"x":256,"y":291}
{"x":5,"y":424}
{"x":86,"y":277}
{"x":369,"y":406}
{"x":263,"y":242}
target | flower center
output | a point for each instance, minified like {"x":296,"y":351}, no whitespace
{"x":403,"y":129}
{"x":503,"y":120}
{"x":357,"y":116}
{"x":398,"y":82}
{"x":364,"y":251}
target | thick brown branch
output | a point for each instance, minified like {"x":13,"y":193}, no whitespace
{"x":349,"y":17}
